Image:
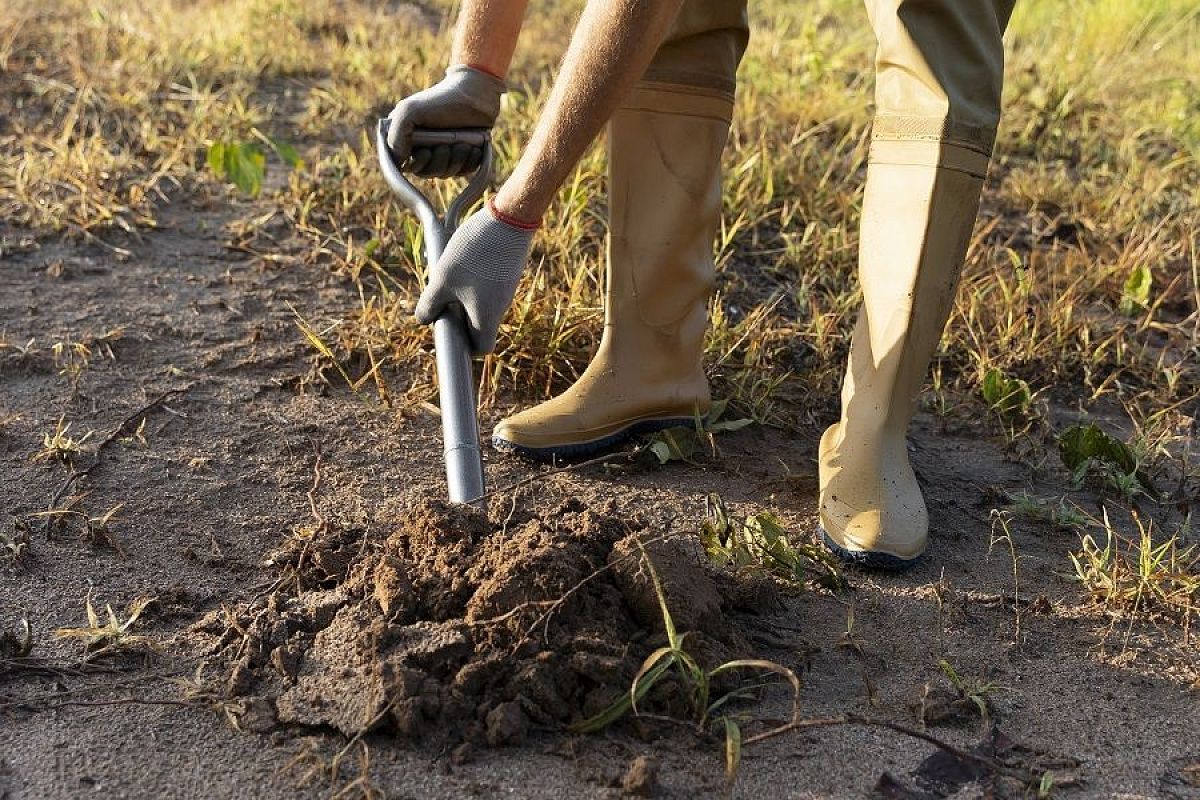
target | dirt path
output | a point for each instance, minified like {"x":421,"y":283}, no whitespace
{"x":219,"y":475}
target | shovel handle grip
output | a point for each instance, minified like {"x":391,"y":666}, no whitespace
{"x":437,"y":230}
{"x":428,"y":137}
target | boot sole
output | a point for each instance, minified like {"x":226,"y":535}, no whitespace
{"x":582,"y":449}
{"x":868,"y":559}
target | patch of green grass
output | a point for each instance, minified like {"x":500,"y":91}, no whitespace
{"x":1058,"y":512}
{"x":1142,"y":574}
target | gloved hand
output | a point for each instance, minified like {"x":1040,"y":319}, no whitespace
{"x":479,"y":271}
{"x":465,"y":98}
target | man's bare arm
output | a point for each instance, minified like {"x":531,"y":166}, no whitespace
{"x":486,"y":34}
{"x":610,"y":50}
{"x":482,"y":264}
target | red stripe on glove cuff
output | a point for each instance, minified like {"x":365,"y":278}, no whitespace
{"x":510,"y":220}
{"x":484,"y":70}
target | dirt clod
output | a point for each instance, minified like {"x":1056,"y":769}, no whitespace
{"x":507,"y":724}
{"x":679,"y":563}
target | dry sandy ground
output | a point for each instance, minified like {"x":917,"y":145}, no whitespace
{"x":222,"y":479}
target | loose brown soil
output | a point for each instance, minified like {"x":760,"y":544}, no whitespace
{"x":453,"y":628}
{"x":310,"y":587}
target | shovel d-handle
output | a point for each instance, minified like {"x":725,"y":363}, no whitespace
{"x":456,"y":384}
{"x":437,"y":230}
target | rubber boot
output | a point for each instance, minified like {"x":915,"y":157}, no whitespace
{"x":664,"y":161}
{"x":917,"y":223}
{"x":939,"y":71}
{"x":665,"y":149}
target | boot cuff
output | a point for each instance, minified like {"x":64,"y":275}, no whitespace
{"x":944,"y":130}
{"x":929,"y":154}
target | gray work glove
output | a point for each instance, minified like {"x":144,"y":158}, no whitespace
{"x":465,"y":98}
{"x":478,"y":271}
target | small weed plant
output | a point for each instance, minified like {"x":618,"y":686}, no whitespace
{"x":59,"y":445}
{"x":706,"y":712}
{"x":1139,"y":574}
{"x":1091,"y":454}
{"x":761,"y":543}
{"x":112,"y":633}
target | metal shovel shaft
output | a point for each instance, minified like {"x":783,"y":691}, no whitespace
{"x":456,"y":393}
{"x":460,"y":429}
{"x":456,"y":384}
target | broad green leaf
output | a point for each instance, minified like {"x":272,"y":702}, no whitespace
{"x":715,"y":411}
{"x":241,"y":163}
{"x":247,"y":166}
{"x":662,"y":450}
{"x":729,"y":425}
{"x":674,"y":444}
{"x":216,"y":159}
{"x":1080,"y":444}
{"x":1007,"y":396}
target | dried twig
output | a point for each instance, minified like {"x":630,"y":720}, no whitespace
{"x":854,"y":719}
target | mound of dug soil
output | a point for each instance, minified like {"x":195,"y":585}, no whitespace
{"x":451,"y":624}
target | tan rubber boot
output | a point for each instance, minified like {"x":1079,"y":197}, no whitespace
{"x":939,"y":70}
{"x":664,"y":161}
{"x":665,"y":148}
{"x":910,"y":253}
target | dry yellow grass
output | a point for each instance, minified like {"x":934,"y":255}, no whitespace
{"x":114,"y":104}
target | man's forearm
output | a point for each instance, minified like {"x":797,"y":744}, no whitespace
{"x":610,"y":50}
{"x":486,"y":34}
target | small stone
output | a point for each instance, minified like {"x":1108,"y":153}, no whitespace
{"x":392,"y":587}
{"x":429,"y":645}
{"x":256,"y":714}
{"x":286,"y":660}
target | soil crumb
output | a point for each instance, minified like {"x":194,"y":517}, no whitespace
{"x":450,"y":627}
{"x":641,"y":780}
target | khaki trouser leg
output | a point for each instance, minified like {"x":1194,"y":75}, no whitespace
{"x":939,"y":72}
{"x":664,"y":148}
